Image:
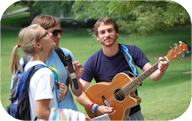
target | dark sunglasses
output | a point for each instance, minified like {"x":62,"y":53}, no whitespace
{"x":55,"y":32}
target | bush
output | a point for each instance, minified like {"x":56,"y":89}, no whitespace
{"x":24,"y":23}
{"x":80,"y":24}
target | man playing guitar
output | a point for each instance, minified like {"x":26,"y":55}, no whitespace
{"x":108,"y":61}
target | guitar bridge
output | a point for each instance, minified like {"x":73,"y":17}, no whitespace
{"x":105,"y":101}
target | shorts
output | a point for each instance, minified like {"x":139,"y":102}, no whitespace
{"x":136,"y":116}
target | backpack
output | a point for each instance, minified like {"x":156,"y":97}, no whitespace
{"x":20,"y":104}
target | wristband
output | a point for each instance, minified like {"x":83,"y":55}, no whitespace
{"x":94,"y":107}
{"x":95,"y":110}
{"x":91,"y":105}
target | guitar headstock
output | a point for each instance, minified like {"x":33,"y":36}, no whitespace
{"x":177,"y":51}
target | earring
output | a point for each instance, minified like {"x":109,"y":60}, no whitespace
{"x":41,"y":49}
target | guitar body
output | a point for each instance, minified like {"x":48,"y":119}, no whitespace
{"x":116,"y":97}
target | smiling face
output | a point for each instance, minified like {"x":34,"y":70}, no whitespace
{"x":106,"y":34}
{"x":55,"y":38}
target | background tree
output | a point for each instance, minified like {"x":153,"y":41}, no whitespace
{"x":28,"y":3}
{"x":55,"y":8}
{"x":141,"y":17}
{"x":46,"y":7}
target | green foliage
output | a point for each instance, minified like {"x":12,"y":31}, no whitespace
{"x":140,"y":17}
{"x":54,"y":8}
{"x":23,"y":3}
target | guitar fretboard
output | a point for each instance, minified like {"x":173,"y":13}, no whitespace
{"x":137,"y":81}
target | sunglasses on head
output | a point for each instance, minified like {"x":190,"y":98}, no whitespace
{"x":55,"y":32}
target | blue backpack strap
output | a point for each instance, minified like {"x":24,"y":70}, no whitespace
{"x":40,"y":66}
{"x":129,"y":59}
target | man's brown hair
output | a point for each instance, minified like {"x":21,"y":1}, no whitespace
{"x":106,"y":20}
{"x":46,"y":21}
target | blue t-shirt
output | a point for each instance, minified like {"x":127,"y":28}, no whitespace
{"x":103,"y":68}
{"x":60,"y":72}
{"x":55,"y":64}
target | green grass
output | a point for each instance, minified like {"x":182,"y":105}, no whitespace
{"x":166,"y":99}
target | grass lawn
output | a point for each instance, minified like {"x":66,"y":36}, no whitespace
{"x":166,"y":99}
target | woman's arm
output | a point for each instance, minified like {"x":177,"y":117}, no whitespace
{"x":62,"y":90}
{"x":42,"y":109}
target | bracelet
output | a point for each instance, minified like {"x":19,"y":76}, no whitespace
{"x":91,"y":105}
{"x":94,"y":107}
{"x":95,"y":111}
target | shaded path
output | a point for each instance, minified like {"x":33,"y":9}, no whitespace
{"x":10,"y":28}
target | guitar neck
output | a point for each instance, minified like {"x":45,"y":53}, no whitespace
{"x":138,"y":80}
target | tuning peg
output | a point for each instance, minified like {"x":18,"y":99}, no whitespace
{"x":180,"y":42}
{"x":175,"y":44}
{"x":179,"y":58}
{"x":171,"y":47}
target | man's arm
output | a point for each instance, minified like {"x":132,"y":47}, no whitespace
{"x":159,"y":73}
{"x":83,"y":99}
{"x":78,"y":72}
{"x":86,"y":102}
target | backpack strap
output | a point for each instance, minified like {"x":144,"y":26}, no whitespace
{"x":129,"y":59}
{"x":25,"y":59}
{"x":37,"y":67}
{"x":61,"y":55}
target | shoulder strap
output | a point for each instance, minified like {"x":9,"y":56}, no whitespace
{"x":61,"y":56}
{"x":25,"y":59}
{"x":37,"y":67}
{"x":129,"y":59}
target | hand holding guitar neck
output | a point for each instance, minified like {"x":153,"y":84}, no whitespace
{"x":71,"y":70}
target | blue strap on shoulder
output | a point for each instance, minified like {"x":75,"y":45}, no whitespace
{"x":55,"y":80}
{"x":56,"y":93}
{"x":129,"y":59}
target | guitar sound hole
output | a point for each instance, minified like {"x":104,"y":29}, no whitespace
{"x":119,"y":95}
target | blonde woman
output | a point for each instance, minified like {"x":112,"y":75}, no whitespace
{"x":36,"y":42}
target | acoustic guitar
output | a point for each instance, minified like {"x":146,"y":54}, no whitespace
{"x":120,"y":93}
